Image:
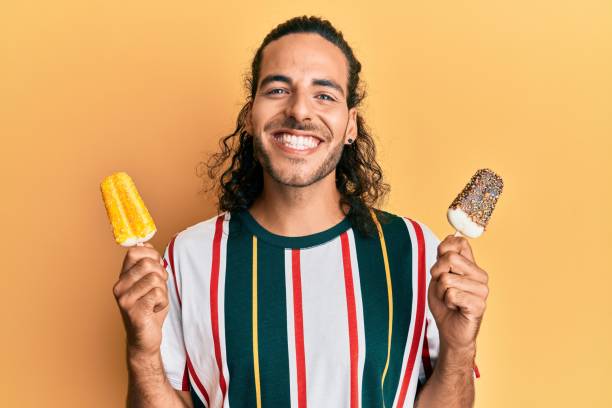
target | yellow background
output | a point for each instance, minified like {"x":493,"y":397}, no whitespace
{"x":523,"y":87}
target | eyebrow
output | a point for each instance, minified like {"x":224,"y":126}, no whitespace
{"x":319,"y":82}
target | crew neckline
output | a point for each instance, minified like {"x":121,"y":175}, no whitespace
{"x":302,"y":241}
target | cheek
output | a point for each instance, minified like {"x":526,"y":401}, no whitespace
{"x":258,"y":115}
{"x":337,"y":124}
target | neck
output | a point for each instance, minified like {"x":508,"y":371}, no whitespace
{"x":297,"y":211}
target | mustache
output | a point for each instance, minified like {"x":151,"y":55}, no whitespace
{"x":291,"y":123}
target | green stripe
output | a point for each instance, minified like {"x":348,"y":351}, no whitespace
{"x":375,"y":316}
{"x":272,"y":326}
{"x":238,"y":310}
{"x":399,"y":252}
{"x":197,"y":402}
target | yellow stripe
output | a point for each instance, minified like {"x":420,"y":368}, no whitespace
{"x":389,"y":297}
{"x":255,"y":340}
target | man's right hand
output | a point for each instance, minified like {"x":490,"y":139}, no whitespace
{"x":142,"y":296}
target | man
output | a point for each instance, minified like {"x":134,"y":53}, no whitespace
{"x":301,"y":293}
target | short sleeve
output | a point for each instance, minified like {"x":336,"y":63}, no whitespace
{"x":174,"y":356}
{"x":431,"y":338}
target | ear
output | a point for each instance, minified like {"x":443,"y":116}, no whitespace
{"x":351,"y":127}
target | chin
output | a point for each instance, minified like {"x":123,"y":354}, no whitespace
{"x":292,"y":180}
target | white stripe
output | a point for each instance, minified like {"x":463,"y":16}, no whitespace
{"x":291,"y":329}
{"x":326,"y":337}
{"x":359,"y":312}
{"x":172,"y":346}
{"x":408,"y":402}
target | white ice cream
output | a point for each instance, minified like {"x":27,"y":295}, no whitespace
{"x":462,"y":223}
{"x":133,"y":240}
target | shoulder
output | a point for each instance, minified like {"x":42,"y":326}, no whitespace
{"x":422,"y":239}
{"x":195,"y":236}
{"x":417,"y":229}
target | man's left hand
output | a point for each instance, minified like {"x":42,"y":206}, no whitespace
{"x":457,"y":294}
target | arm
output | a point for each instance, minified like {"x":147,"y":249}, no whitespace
{"x":149,"y":387}
{"x":457,"y":299}
{"x":451,"y":384}
{"x":142,"y":296}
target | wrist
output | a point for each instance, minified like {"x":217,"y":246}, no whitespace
{"x":138,"y":352}
{"x":144,"y":362}
{"x":456,"y":361}
{"x":462,"y":352}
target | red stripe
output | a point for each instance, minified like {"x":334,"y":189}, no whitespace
{"x":298,"y":322}
{"x":420,"y":313}
{"x":171,"y":252}
{"x":352,"y":317}
{"x":426,"y":359}
{"x":197,"y":381}
{"x":185,"y":386}
{"x":214,"y":299}
{"x":476,"y":370}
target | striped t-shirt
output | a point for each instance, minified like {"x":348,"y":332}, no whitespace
{"x":332,"y":319}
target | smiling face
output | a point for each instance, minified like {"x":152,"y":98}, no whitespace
{"x":299,"y":117}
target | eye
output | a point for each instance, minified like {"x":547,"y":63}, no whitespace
{"x":330,"y":98}
{"x":271,"y":92}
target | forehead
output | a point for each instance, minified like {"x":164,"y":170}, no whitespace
{"x":302,"y":56}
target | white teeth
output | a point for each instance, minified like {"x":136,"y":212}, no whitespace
{"x":297,"y":142}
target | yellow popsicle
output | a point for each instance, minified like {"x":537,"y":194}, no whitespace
{"x":131,"y":221}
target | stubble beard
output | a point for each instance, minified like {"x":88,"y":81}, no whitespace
{"x":296,"y":180}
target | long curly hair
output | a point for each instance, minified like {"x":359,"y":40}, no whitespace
{"x":359,"y":177}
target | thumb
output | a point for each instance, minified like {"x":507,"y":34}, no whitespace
{"x":148,"y":245}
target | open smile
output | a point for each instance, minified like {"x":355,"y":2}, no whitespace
{"x":296,"y":142}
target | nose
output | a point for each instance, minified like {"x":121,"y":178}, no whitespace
{"x":298,"y":107}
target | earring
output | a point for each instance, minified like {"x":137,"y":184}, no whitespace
{"x":350,"y":141}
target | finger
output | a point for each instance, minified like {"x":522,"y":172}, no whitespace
{"x":136,"y":253}
{"x":137,"y":272}
{"x":139,"y":289}
{"x":450,"y":280}
{"x":458,"y":264}
{"x":470,"y":305}
{"x":456,"y":244}
{"x":154,"y":300}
